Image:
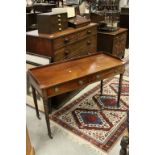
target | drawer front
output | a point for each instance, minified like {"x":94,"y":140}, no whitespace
{"x":83,"y":47}
{"x":107,"y":74}
{"x":74,"y":37}
{"x":119,"y":45}
{"x":69,"y":86}
{"x":78,"y":83}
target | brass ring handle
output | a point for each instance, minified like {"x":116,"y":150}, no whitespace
{"x":97,"y":76}
{"x":56,"y":89}
{"x":81,"y":82}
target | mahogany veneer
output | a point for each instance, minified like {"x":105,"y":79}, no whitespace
{"x":58,"y":78}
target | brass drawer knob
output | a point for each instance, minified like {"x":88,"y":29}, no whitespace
{"x":59,"y":16}
{"x":89,"y":32}
{"x":88,"y":42}
{"x":66,"y":40}
{"x":56,"y":89}
{"x":59,"y":24}
{"x":81,"y":82}
{"x":60,"y":29}
{"x":59,"y":20}
{"x":66,"y":52}
{"x":97,"y":76}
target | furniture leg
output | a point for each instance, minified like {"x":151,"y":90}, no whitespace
{"x":35,"y":102}
{"x":124,"y":144}
{"x":46,"y":109}
{"x":119,"y":89}
{"x":101,"y":87}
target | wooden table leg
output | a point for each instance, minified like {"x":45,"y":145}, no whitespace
{"x":124,"y":144}
{"x":101,"y":87}
{"x":45,"y":101}
{"x":35,"y":102}
{"x":119,"y":89}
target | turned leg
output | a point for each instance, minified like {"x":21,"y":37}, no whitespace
{"x":46,"y":109}
{"x":35,"y":102}
{"x":119,"y":89}
{"x":101,"y":88}
{"x":124,"y":144}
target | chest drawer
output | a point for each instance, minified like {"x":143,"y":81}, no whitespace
{"x":74,"y":37}
{"x":80,"y":48}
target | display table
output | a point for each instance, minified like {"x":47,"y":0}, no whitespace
{"x":58,"y":78}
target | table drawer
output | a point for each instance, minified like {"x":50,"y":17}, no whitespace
{"x":106,"y":74}
{"x":74,"y":37}
{"x":81,"y":82}
{"x":69,"y":86}
{"x":83,"y":47}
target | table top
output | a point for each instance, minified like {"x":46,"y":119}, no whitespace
{"x":58,"y":34}
{"x":61,"y":72}
{"x":120,"y":30}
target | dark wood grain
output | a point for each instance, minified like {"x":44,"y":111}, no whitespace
{"x":59,"y":43}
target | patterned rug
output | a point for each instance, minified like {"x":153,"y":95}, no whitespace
{"x":94,"y":118}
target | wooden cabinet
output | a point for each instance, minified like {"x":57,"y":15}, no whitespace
{"x":70,"y":43}
{"x":112,"y":42}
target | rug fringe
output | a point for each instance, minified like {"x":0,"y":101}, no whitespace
{"x":78,"y":140}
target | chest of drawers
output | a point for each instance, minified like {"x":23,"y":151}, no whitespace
{"x":49,"y":23}
{"x":70,"y":43}
{"x":112,"y":42}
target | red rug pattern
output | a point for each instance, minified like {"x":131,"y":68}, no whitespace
{"x":94,"y":118}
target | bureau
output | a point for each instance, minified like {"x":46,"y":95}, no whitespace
{"x":61,"y":77}
{"x":70,"y":43}
{"x":112,"y":43}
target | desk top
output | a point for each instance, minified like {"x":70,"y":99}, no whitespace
{"x":58,"y":73}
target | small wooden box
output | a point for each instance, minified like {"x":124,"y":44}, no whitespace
{"x":49,"y":23}
{"x":78,"y":22}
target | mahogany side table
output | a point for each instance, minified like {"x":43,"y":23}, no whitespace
{"x":61,"y":77}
